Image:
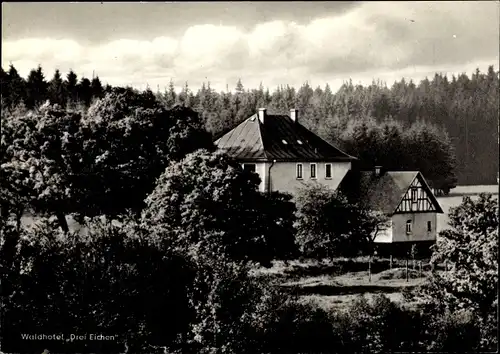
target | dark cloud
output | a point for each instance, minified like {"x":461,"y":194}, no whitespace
{"x":286,"y":42}
{"x":96,"y":22}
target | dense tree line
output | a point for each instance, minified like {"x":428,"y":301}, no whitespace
{"x":37,"y":88}
{"x":172,"y":230}
{"x":464,"y":108}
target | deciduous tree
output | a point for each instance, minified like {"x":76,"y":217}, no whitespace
{"x":470,"y":248}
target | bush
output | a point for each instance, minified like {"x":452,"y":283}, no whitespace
{"x":282,"y":324}
{"x":277,"y":217}
{"x":107,"y":282}
{"x":329,"y":225}
{"x":321,"y":224}
{"x":454,"y":332}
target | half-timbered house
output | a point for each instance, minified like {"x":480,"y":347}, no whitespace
{"x":406,"y":199}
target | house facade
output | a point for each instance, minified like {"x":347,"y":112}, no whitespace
{"x":404,"y":197}
{"x":287,"y":156}
{"x":284,"y":153}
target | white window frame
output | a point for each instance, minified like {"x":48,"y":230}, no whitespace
{"x":331,"y":171}
{"x":301,"y":176}
{"x":409,"y":226}
{"x":315,"y":170}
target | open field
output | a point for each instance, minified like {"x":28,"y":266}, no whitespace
{"x":455,"y":198}
{"x":474,"y":190}
{"x":332,"y":285}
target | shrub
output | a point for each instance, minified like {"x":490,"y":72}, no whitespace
{"x":107,"y":282}
{"x":328,"y":225}
{"x":282,"y":324}
{"x":454,"y":332}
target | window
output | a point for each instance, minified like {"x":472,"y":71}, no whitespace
{"x":408,"y":227}
{"x":313,"y":171}
{"x":284,"y":141}
{"x":249,"y":167}
{"x":414,"y":195}
{"x":299,"y":142}
{"x":328,"y":170}
{"x":429,"y":226}
{"x":299,"y":171}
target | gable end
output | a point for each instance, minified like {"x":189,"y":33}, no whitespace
{"x":418,"y":198}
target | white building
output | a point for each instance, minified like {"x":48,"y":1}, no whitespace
{"x":284,"y":153}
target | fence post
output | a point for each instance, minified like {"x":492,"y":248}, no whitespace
{"x":370,"y":269}
{"x":390,"y":262}
{"x":407,"y":279}
{"x":420,"y":268}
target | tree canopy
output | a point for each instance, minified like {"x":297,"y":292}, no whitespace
{"x":462,"y":111}
{"x":207,"y":204}
{"x":470,"y":249}
{"x":102,"y":161}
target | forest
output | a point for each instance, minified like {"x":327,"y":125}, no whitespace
{"x":173,"y":229}
{"x":447,"y":127}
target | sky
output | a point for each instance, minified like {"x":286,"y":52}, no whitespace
{"x":273,"y":43}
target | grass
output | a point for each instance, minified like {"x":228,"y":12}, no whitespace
{"x":333,"y":284}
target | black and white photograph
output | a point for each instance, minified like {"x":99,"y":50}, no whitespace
{"x":262,"y":177}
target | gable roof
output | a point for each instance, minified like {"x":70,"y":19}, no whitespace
{"x":384,"y":192}
{"x":278,"y":138}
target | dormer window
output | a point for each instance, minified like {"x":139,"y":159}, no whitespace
{"x":284,"y":141}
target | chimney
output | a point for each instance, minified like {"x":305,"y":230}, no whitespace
{"x":378,"y":170}
{"x":262,"y":114}
{"x":294,"y":114}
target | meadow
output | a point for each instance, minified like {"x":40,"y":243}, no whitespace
{"x":455,"y":198}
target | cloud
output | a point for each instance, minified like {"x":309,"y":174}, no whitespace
{"x":373,"y":38}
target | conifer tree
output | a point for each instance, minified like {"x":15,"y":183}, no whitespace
{"x":36,"y":88}
{"x":56,"y":89}
{"x":170,"y":95}
{"x":16,"y":89}
{"x":70,"y":84}
{"x":84,"y":91}
{"x":96,"y":87}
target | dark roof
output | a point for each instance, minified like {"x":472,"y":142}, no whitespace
{"x":253,"y":140}
{"x":383,"y":192}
